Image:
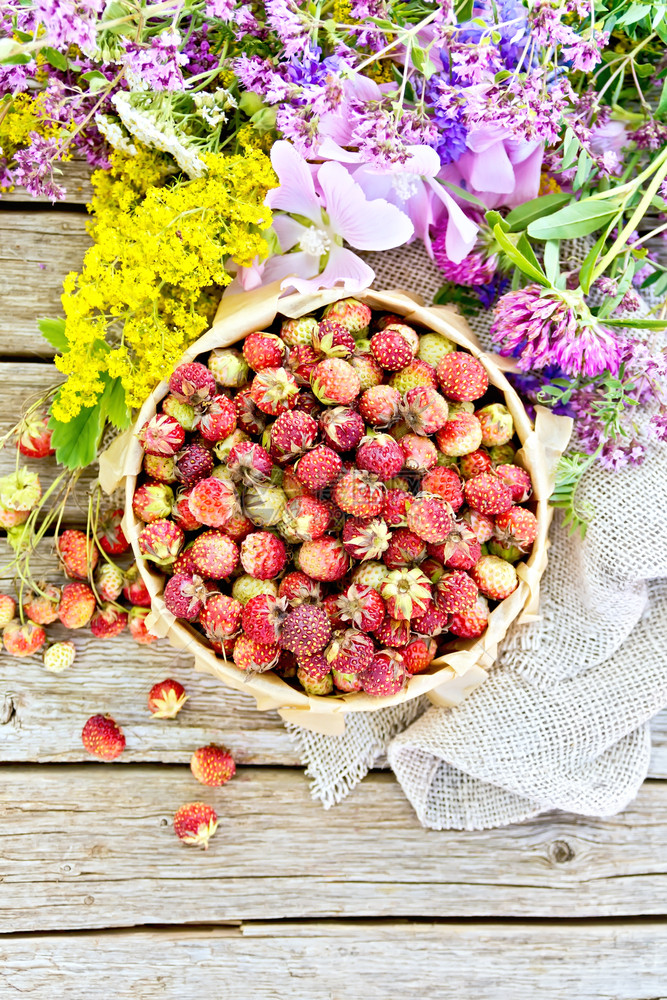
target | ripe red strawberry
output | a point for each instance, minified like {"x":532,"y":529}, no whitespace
{"x":212,"y":765}
{"x":474,"y":463}
{"x":152,"y":501}
{"x":185,"y":595}
{"x":333,"y":339}
{"x":249,"y":463}
{"x":497,"y":424}
{"x":302,"y":361}
{"x":342,"y":428}
{"x":134,"y":588}
{"x":348,"y":654}
{"x":424,"y":410}
{"x":161,"y":467}
{"x":360,"y":606}
{"x":238,"y":527}
{"x":166,"y":699}
{"x":77,"y":553}
{"x":430,"y":517}
{"x":263,"y":616}
{"x":461,"y":550}
{"x":250,"y":418}
{"x":255,"y":657}
{"x":314,"y":675}
{"x":23,"y":640}
{"x":417,"y":655}
{"x":298,"y":331}
{"x":455,"y":591}
{"x":324,"y":559}
{"x":214,"y":555}
{"x":393,"y":632}
{"x":518,"y":481}
{"x":380,"y":454}
{"x":213,"y":502}
{"x":434,"y":621}
{"x":405,"y":592}
{"x":380,"y":405}
{"x":162,"y":435}
{"x":218,"y":420}
{"x":419,"y":453}
{"x":7,"y":609}
{"x":304,"y":518}
{"x":462,"y":377}
{"x":369,"y":372}
{"x":192,"y":383}
{"x":359,"y":493}
{"x":416,"y":373}
{"x":386,"y":675}
{"x":306,"y":630}
{"x":161,"y":541}
{"x":136,"y":623}
{"x":286,"y":666}
{"x":298,"y":588}
{"x":391,"y":349}
{"x":404,"y":549}
{"x":34,"y":439}
{"x":445,"y":483}
{"x":263,"y":350}
{"x":263,"y":555}
{"x":395,"y":507}
{"x":472,"y":622}
{"x":108,"y":621}
{"x":195,"y":824}
{"x":335,"y":381}
{"x":102,"y":737}
{"x":77,"y":604}
{"x":354,"y":315}
{"x":461,"y":435}
{"x":110,"y":535}
{"x":365,"y":539}
{"x":274,"y":391}
{"x":495,"y":577}
{"x":319,"y":468}
{"x":488,"y":494}
{"x":42,"y":609}
{"x":517,"y":526}
{"x":194,"y":463}
{"x":293,"y":433}
{"x":181,"y":513}
{"x":221,"y":617}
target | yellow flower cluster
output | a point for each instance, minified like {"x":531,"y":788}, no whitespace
{"x":150,"y":283}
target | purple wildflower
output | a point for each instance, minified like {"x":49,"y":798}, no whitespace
{"x":34,"y":168}
{"x":224,"y":9}
{"x":285,"y":17}
{"x":157,"y":65}
{"x":475,"y":268}
{"x":651,"y":135}
{"x":65,"y":22}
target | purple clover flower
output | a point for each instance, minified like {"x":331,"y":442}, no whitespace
{"x":475,"y":268}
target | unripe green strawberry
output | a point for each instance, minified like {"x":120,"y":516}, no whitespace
{"x":264,"y":505}
{"x":58,"y":657}
{"x":183,"y":412}
{"x":246,"y":587}
{"x":7,"y":609}
{"x":229,"y":367}
{"x":496,"y":578}
{"x":368,"y":371}
{"x":20,"y":490}
{"x":370,"y":574}
{"x":299,"y":332}
{"x":505,"y":551}
{"x":502,"y":454}
{"x":160,"y":467}
{"x":314,"y":675}
{"x":416,"y":373}
{"x":222,"y":449}
{"x":433,"y":347}
{"x":497,"y":424}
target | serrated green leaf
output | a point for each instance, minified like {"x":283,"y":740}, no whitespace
{"x":580,"y":218}
{"x":114,"y":407}
{"x":77,"y":440}
{"x":53,"y":330}
{"x":536,"y":208}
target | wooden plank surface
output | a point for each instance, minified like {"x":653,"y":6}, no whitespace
{"x":87,"y":847}
{"x":345,"y":961}
{"x":74,"y":176}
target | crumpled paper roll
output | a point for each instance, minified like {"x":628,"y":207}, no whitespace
{"x":457,"y":671}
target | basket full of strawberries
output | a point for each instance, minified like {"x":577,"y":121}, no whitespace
{"x":339,"y":504}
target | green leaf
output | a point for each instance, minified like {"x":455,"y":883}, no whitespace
{"x":517,"y":258}
{"x":588,"y":266}
{"x":494,"y":218}
{"x":114,"y":407}
{"x":536,"y":208}
{"x":55,"y":58}
{"x":661,"y":31}
{"x":464,"y":10}
{"x":96,"y":81}
{"x":577,"y":219}
{"x":53,"y":330}
{"x":462,"y":193}
{"x":552,"y":260}
{"x":570,"y":149}
{"x":639,"y":324}
{"x":584,"y":167}
{"x":636,"y":12}
{"x":524,"y":247}
{"x":76,"y":441}
{"x":662,"y":103}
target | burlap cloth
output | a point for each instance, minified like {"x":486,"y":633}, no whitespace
{"x":562,"y":721}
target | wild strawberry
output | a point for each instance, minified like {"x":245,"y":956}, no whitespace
{"x":152,"y":501}
{"x":166,"y":699}
{"x":12,"y":518}
{"x":58,"y":657}
{"x":192,"y":383}
{"x":274,"y":391}
{"x":380,"y":405}
{"x":461,"y":435}
{"x":107,"y":622}
{"x":433,"y":347}
{"x":263,"y":555}
{"x":254,"y":657}
{"x":222,"y":449}
{"x":194,"y":463}
{"x":502,"y":454}
{"x":518,"y":481}
{"x":488,"y":494}
{"x":505,"y":550}
{"x":348,"y":654}
{"x":324,"y":559}
{"x":161,"y":541}
{"x":77,"y":553}
{"x":34,"y":439}
{"x":354,"y":315}
{"x":134,"y":588}
{"x":136,"y":623}
{"x":432,"y":567}
{"x":405,"y":592}
{"x":361,"y":607}
{"x":461,"y":550}
{"x":393,"y":632}
{"x":404,"y":549}
{"x":262,"y":618}
{"x":23,"y":640}
{"x":497,"y":424}
{"x":229,"y":367}
{"x":395,"y":507}
{"x":185,"y":595}
{"x":263,"y":350}
{"x":455,"y":592}
{"x":110,"y":535}
{"x":183,"y":412}
{"x":304,"y":518}
{"x":302,"y":362}
{"x":342,"y":428}
{"x":181,"y":513}
{"x":221,"y":617}
{"x":495,"y":577}
{"x":292,"y":434}
{"x":161,"y":467}
{"x":434,"y":621}
{"x":162,"y":435}
{"x":246,"y":586}
{"x":334,"y":340}
{"x":516,"y":526}
{"x":250,"y":417}
{"x":419,"y":453}
{"x":472,"y":622}
{"x":212,"y":765}
{"x":481,"y":524}
{"x":218,"y":420}
{"x":416,"y":373}
{"x":424,"y":410}
{"x":307,"y":402}
{"x":370,"y":574}
{"x":103,"y":738}
{"x":369,"y":372}
{"x":445,"y":483}
{"x":365,"y":539}
{"x":475,"y":463}
{"x":335,"y":381}
{"x":42,"y":609}
{"x":319,"y":468}
{"x":299,"y":331}
{"x":7,"y":609}
{"x":462,"y":377}
{"x":298,"y":588}
{"x":213,"y":502}
{"x":306,"y":630}
{"x":386,"y":674}
{"x":430,"y":517}
{"x":359,"y":493}
{"x":314,"y":675}
{"x":418,"y":654}
{"x":264,"y":505}
{"x":214,"y":555}
{"x":380,"y":454}
{"x":20,"y":490}
{"x":195,"y":824}
{"x":391,"y":349}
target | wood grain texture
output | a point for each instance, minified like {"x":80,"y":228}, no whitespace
{"x":87,"y":847}
{"x":74,"y":176}
{"x":345,"y":961}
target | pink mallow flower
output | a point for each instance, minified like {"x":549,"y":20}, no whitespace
{"x":497,"y":169}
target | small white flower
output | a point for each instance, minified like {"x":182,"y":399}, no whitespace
{"x":114,"y":134}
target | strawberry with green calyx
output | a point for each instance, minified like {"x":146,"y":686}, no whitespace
{"x":161,"y":541}
{"x":103,"y":738}
{"x":110,"y":535}
{"x":212,"y":765}
{"x":166,"y":699}
{"x":504,"y":550}
{"x":228,"y":366}
{"x":162,"y":435}
{"x":497,"y":424}
{"x":333,"y":340}
{"x":195,"y":824}
{"x":517,"y":526}
{"x":335,"y":382}
{"x":152,"y":501}
{"x":192,"y":383}
{"x":34,"y":436}
{"x":405,"y":592}
{"x":274,"y":391}
{"x":134,"y":588}
{"x":365,"y":539}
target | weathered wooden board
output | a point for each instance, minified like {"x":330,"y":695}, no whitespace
{"x":74,"y":176}
{"x":92,"y":846}
{"x":345,"y":961}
